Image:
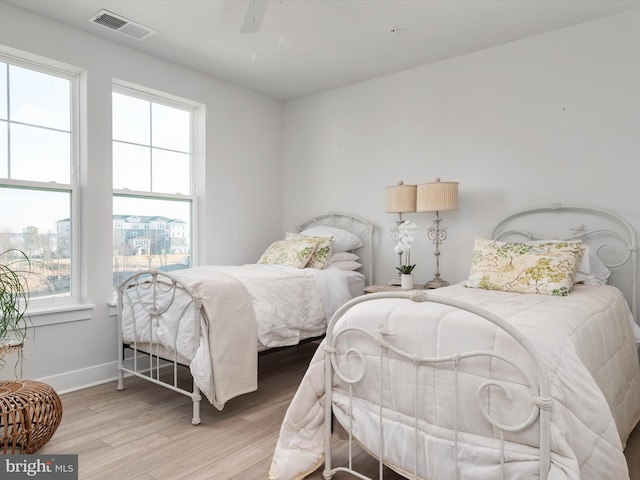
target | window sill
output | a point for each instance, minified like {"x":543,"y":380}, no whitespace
{"x":113,"y":308}
{"x":61,"y":313}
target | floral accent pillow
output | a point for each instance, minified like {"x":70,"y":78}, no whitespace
{"x":322,"y":256}
{"x":544,"y":268}
{"x":294,"y":253}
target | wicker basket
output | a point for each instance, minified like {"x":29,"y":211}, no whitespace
{"x":8,"y":348}
{"x":30,"y":413}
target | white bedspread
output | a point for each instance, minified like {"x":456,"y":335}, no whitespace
{"x":245,"y":308}
{"x":290,"y":304}
{"x":587,"y":343}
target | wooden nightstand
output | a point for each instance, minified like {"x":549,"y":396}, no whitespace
{"x":390,"y":288}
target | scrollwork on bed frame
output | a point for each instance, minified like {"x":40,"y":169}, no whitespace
{"x":611,"y":236}
{"x":537,"y":380}
{"x":354,"y":224}
{"x":150,"y":357}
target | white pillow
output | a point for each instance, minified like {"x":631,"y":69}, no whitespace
{"x":347,"y":265}
{"x":342,"y":240}
{"x":342,"y":256}
{"x":592,"y":271}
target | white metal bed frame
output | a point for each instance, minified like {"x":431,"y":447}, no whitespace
{"x":537,"y":379}
{"x":148,"y":361}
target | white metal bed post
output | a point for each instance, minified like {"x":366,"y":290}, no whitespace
{"x":329,"y":365}
{"x":329,"y":352}
{"x":120,"y":367}
{"x":195,"y":394}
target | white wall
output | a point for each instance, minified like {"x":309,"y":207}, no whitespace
{"x":552,"y":118}
{"x":241,"y":211}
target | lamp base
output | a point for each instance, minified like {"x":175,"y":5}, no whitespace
{"x":437,"y":282}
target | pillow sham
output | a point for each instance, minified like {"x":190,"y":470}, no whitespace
{"x":322,"y":255}
{"x":347,"y":265}
{"x":294,"y":253}
{"x":591,"y":271}
{"x":343,"y":240}
{"x":541,"y":268}
{"x":342,"y":256}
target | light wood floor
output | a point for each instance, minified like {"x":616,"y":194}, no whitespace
{"x":145,"y":431}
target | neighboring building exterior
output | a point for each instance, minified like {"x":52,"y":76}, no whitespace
{"x":149,"y":235}
{"x":138,"y":235}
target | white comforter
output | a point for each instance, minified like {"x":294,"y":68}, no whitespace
{"x":245,"y":309}
{"x":586,"y":340}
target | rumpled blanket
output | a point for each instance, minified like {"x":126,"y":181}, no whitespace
{"x":230,"y":331}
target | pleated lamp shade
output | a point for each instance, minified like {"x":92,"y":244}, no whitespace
{"x":437,"y":196}
{"x":400,"y":198}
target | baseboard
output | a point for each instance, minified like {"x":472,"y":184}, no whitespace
{"x":91,"y":376}
{"x":84,"y":378}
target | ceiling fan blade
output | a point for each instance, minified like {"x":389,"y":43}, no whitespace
{"x":253,"y":16}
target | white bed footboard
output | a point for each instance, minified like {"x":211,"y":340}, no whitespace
{"x":158,"y":310}
{"x":533,"y":375}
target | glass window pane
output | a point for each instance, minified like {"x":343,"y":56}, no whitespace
{"x":131,"y":167}
{"x":3,"y":91}
{"x":150,"y":233}
{"x":4,"y":153}
{"x":170,"y":172}
{"x":131,"y":119}
{"x":38,"y":154}
{"x":39,"y":98}
{"x":171,"y":128}
{"x":38,"y":223}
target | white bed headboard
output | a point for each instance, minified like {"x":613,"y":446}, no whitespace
{"x":354,"y":224}
{"x":606,"y":233}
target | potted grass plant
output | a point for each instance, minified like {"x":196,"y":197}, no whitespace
{"x":14,"y":297}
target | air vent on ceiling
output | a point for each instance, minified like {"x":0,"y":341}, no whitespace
{"x":122,"y":25}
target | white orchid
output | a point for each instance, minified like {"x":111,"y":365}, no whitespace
{"x":403,"y":235}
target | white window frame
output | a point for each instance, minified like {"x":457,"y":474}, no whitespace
{"x":169,"y":100}
{"x":59,"y":305}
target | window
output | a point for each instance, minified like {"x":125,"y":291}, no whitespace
{"x":38,"y":180}
{"x":153,"y":193}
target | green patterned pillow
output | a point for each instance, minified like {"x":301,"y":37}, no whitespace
{"x":545,"y":268}
{"x":322,"y":256}
{"x":294,"y":253}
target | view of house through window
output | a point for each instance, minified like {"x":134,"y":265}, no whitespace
{"x":152,"y":182}
{"x":37,"y":182}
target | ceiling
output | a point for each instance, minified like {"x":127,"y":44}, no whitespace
{"x":325,"y":43}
